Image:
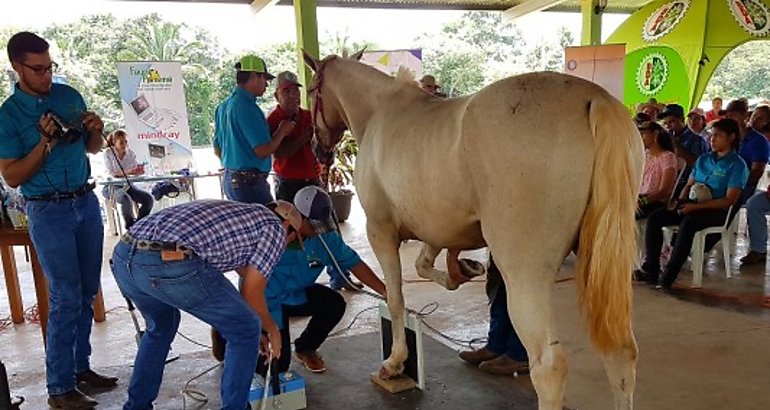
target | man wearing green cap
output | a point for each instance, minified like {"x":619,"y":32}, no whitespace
{"x":242,"y":139}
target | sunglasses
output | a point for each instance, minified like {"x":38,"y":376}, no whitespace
{"x":41,"y":71}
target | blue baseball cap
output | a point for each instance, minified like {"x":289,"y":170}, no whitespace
{"x":313,"y":203}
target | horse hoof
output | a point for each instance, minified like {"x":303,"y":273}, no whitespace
{"x":471,"y":268}
{"x":385,"y":374}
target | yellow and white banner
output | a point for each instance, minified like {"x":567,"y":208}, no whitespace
{"x":155,"y":111}
{"x":389,"y":61}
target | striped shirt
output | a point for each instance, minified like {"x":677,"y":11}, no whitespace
{"x":113,"y":164}
{"x":226,"y":235}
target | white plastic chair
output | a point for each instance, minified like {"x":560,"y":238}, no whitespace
{"x":726,"y":232}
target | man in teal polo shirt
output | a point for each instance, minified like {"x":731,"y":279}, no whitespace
{"x":242,"y":139}
{"x":50,"y":165}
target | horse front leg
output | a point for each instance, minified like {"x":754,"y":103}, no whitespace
{"x":385,"y":244}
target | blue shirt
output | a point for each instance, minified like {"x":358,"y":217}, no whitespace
{"x":754,"y":148}
{"x":240,"y":127}
{"x":298,"y":269}
{"x":720,"y":173}
{"x":66,"y":168}
{"x":225,"y":234}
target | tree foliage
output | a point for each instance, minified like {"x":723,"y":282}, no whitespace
{"x":743,"y":73}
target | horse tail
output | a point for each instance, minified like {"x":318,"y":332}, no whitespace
{"x":607,"y":242}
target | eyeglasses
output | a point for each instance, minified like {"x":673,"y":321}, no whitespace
{"x":41,"y":71}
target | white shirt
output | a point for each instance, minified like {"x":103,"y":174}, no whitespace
{"x":128,"y":162}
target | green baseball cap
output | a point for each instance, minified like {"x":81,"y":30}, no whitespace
{"x":253,"y":64}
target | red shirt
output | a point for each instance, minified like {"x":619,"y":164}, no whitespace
{"x":302,"y":164}
{"x":711,"y":115}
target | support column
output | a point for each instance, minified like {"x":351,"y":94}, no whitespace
{"x":307,"y":39}
{"x":591,"y":33}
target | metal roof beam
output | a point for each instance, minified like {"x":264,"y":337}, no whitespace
{"x":531,"y":6}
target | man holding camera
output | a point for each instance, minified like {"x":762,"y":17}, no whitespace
{"x":45,"y":133}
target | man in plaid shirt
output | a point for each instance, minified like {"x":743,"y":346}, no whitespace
{"x":175,"y":259}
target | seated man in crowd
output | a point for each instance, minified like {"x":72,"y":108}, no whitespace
{"x":725,"y":174}
{"x":293,"y":292}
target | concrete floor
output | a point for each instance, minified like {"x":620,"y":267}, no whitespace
{"x":705,"y":349}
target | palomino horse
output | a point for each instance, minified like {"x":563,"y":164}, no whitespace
{"x":531,"y":166}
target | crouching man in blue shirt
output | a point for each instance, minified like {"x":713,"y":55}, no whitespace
{"x":293,"y":292}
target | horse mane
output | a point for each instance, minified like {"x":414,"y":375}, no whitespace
{"x":404,"y":74}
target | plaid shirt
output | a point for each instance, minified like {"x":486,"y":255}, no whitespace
{"x":227,"y":235}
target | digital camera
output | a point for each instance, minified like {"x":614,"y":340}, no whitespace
{"x":65,"y":132}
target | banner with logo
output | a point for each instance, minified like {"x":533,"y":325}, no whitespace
{"x":389,"y":61}
{"x":674,"y":46}
{"x":155,"y":112}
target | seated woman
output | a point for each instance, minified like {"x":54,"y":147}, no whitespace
{"x":660,"y":167}
{"x":120,"y":162}
{"x":725,"y":174}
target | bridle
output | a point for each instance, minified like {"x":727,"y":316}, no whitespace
{"x":318,"y":106}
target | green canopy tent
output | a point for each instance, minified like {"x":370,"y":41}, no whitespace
{"x":674,"y":46}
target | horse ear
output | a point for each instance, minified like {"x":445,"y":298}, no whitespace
{"x":310,"y":61}
{"x":357,"y":56}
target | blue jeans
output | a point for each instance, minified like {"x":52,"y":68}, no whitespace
{"x":69,"y":238}
{"x":250,"y":188}
{"x":502,"y":338}
{"x":756,"y":208}
{"x":160,"y":289}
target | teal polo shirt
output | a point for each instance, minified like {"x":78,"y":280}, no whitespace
{"x":298,"y":269}
{"x":66,"y":168}
{"x":240,"y":127}
{"x":719,"y":174}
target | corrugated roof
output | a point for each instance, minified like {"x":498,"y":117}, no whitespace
{"x":613,"y":6}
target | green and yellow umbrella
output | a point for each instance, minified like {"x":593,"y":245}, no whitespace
{"x":674,"y":46}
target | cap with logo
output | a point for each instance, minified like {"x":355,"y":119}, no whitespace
{"x":254,"y":64}
{"x":288,"y":212}
{"x":312,"y":202}
{"x":697,"y":111}
{"x":287,"y":79}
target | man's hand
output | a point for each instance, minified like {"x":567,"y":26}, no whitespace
{"x":92,"y":123}
{"x":688,"y":208}
{"x":48,"y":130}
{"x":270,"y":345}
{"x":285,"y":128}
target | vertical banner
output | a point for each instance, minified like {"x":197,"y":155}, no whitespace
{"x":155,"y":112}
{"x":603,"y":65}
{"x":389,"y":61}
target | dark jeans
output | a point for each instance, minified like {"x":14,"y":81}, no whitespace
{"x":645,"y":210}
{"x":325,"y":308}
{"x":142,"y":198}
{"x":688,"y":226}
{"x":502,"y":338}
{"x":247,"y":186}
{"x":286,"y":189}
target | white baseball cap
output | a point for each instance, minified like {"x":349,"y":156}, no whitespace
{"x":313,"y":203}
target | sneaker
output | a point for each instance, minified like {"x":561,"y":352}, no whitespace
{"x":71,"y":400}
{"x":641,"y":275}
{"x":218,"y":344}
{"x":665,"y":283}
{"x":504,"y":365}
{"x":94,"y":379}
{"x":753,"y":258}
{"x":312,"y":361}
{"x":475,"y":357}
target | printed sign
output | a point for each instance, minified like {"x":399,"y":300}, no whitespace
{"x":664,"y":19}
{"x":389,"y":61}
{"x":155,"y":111}
{"x":752,"y":15}
{"x":652,"y":74}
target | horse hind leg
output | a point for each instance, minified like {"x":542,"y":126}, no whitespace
{"x":531,"y":313}
{"x":620,"y":366}
{"x":385,"y":245}
{"x":425,"y":266}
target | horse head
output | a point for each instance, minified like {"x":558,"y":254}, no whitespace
{"x":328,"y":118}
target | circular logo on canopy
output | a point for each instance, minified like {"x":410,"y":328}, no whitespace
{"x":652,"y":74}
{"x":752,"y":15}
{"x":664,"y":19}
